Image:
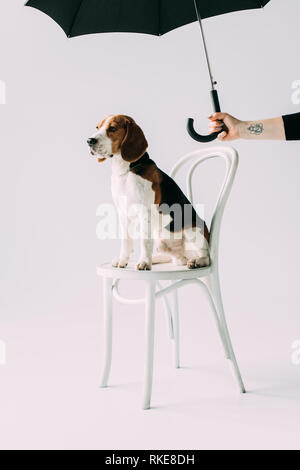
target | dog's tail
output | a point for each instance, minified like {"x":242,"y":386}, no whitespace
{"x":158,"y":259}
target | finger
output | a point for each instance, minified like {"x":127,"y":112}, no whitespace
{"x":217,"y":117}
{"x":216,"y":127}
{"x":222,"y":136}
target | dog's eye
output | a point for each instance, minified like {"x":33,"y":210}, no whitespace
{"x":112,"y":129}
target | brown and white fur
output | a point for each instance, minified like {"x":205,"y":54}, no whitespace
{"x":138,"y":185}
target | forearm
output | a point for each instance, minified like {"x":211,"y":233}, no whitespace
{"x":268,"y":129}
{"x":286,"y":127}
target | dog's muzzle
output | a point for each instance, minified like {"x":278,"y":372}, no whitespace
{"x":91,"y":142}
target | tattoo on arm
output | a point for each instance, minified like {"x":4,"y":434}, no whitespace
{"x":256,"y":128}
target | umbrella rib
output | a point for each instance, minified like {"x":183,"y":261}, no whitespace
{"x":74,"y":19}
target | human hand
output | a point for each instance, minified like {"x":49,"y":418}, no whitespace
{"x":232,"y":125}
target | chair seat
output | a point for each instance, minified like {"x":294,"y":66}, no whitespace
{"x":159,"y":272}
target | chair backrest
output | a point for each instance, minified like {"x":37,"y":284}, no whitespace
{"x":197,"y":157}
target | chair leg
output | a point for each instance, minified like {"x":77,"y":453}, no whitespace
{"x":206,"y":283}
{"x":176,"y":343}
{"x":107,"y":307}
{"x":168,"y":312}
{"x":216,"y":291}
{"x":150,"y":322}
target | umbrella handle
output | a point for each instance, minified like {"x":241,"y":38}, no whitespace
{"x":209,"y":137}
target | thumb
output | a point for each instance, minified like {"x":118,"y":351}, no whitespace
{"x":222,"y":135}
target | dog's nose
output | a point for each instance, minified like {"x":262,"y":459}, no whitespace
{"x":91,"y":141}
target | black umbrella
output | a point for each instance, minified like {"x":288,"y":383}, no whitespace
{"x":157,"y":17}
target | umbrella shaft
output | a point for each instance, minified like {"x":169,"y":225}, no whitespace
{"x":213,"y":83}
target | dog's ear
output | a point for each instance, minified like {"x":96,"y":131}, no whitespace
{"x":134,"y":144}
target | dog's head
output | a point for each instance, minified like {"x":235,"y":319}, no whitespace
{"x":118,"y":134}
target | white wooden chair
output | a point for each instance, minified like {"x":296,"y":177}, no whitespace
{"x":207,"y":278}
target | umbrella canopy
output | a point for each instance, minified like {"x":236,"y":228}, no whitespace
{"x":157,"y":17}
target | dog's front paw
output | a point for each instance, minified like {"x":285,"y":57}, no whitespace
{"x":143,"y":265}
{"x":116,"y":263}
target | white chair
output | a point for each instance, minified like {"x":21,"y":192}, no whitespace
{"x":207,"y":278}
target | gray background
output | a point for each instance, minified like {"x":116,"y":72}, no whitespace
{"x":57,"y":90}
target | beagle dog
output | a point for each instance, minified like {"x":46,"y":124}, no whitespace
{"x":145,"y":195}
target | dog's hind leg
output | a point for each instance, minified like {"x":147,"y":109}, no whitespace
{"x":173,"y":246}
{"x":196,"y":248}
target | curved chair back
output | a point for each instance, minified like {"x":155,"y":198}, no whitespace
{"x":197,"y":157}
